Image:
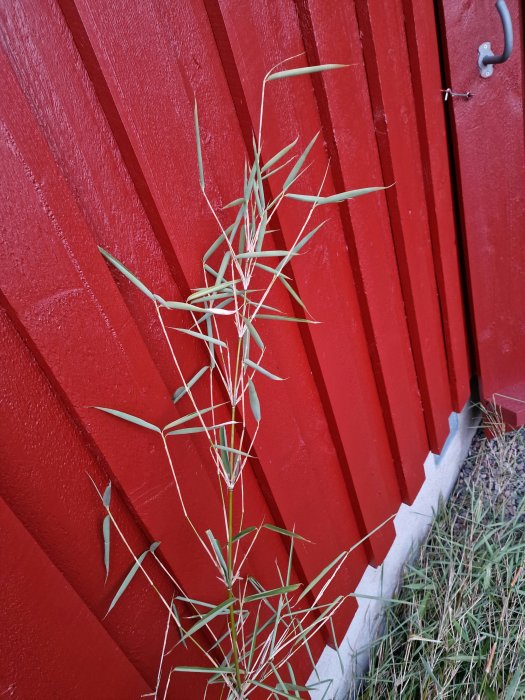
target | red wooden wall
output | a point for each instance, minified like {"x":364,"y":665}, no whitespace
{"x":97,"y":148}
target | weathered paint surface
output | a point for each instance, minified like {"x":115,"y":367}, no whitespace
{"x":97,"y":148}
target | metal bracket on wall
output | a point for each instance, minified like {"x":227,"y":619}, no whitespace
{"x":486,"y":58}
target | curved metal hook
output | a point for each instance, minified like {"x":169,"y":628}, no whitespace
{"x":486,"y":58}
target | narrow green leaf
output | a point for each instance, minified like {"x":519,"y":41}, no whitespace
{"x":254,"y":401}
{"x":264,"y":254}
{"x":291,"y":291}
{"x":125,"y":583}
{"x":292,"y":677}
{"x":206,"y":291}
{"x":242,"y":239}
{"x":262,"y":306}
{"x":222,"y":269}
{"x":198,"y":429}
{"x":209,"y":269}
{"x":192,"y":307}
{"x":510,"y":693}
{"x":306,"y":238}
{"x":243,"y":533}
{"x":274,"y":317}
{"x":235,"y":226}
{"x":206,"y":619}
{"x":299,"y":163}
{"x":258,"y":195}
{"x":210,"y":312}
{"x":246,"y":345}
{"x":106,"y":498}
{"x":271,"y":173}
{"x":254,"y":640}
{"x":131,"y":277}
{"x":128,"y":417}
{"x":335,"y":198}
{"x":106,"y":525}
{"x":203,"y":669}
{"x":282,"y":531}
{"x":190,"y":416}
{"x":202,"y":336}
{"x":321,"y":575}
{"x":261,"y":232}
{"x":215,"y":297}
{"x":199,"y":151}
{"x":260,"y":369}
{"x":193,"y":601}
{"x":326,"y":613}
{"x":275,"y":691}
{"x":277,"y":157}
{"x":213,"y":247}
{"x":234,"y":203}
{"x":223,"y":439}
{"x":271,"y":270}
{"x":179,"y":624}
{"x":233,"y":450}
{"x":336,"y":646}
{"x":248,"y":186}
{"x":296,"y":688}
{"x":293,"y":72}
{"x":253,"y":332}
{"x":273,"y":592}
{"x":182,"y":390}
{"x":218,"y":554}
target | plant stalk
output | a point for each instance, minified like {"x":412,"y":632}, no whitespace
{"x":233,"y":629}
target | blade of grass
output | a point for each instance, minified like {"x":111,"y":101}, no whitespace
{"x":206,"y":619}
{"x":182,"y":390}
{"x":128,"y":417}
{"x":202,"y":336}
{"x":198,"y":142}
{"x":130,"y":276}
{"x":299,"y":164}
{"x":263,"y":371}
{"x":190,"y":416}
{"x":294,"y":72}
{"x":106,"y":525}
{"x":277,"y":157}
{"x":335,"y":198}
{"x":254,"y":400}
{"x":130,"y":575}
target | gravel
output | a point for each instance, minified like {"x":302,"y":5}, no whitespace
{"x":495,"y":470}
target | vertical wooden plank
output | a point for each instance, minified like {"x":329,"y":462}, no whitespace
{"x":294,"y":438}
{"x":260,"y":37}
{"x":351,"y":143}
{"x":489,"y":139}
{"x":423,"y":53}
{"x":388,"y":74}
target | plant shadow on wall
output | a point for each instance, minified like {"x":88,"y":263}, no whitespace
{"x":255,"y":630}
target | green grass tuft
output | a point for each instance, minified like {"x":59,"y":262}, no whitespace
{"x":459,"y":631}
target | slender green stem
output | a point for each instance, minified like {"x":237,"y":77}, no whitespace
{"x":233,"y":628}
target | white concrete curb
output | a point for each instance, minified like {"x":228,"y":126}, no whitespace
{"x":412,"y":524}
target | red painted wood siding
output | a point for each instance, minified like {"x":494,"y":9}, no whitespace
{"x":489,"y":141}
{"x":97,"y":148}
